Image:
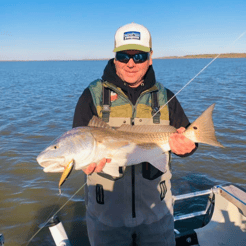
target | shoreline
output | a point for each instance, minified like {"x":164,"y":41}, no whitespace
{"x":206,"y":56}
{"x":200,"y":56}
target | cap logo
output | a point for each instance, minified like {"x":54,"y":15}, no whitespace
{"x":131,"y":35}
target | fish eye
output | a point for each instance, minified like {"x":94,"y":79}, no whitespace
{"x":55,"y":147}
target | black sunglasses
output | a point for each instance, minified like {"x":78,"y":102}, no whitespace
{"x":137,"y":58}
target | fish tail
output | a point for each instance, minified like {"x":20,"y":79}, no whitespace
{"x":202,"y":129}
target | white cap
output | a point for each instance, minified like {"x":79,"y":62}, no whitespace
{"x":132,"y":37}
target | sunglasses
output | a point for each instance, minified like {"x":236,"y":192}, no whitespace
{"x":137,"y":58}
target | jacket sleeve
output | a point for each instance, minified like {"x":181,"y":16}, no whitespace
{"x":85,"y":109}
{"x":177,"y":116}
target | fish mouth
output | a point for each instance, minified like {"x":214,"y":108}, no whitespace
{"x":52,"y":165}
{"x":55,"y":168}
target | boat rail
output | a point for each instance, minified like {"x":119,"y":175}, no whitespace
{"x":192,"y":195}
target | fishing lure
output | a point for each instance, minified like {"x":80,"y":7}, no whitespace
{"x":68,"y":169}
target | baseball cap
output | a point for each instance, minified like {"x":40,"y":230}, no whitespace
{"x":132,"y":37}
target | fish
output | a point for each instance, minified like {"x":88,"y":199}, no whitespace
{"x":125,"y":146}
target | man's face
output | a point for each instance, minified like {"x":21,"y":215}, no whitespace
{"x":131,"y":72}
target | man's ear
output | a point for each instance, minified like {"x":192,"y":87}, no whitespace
{"x":150,"y":57}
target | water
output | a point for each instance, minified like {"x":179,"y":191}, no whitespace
{"x":37,"y":105}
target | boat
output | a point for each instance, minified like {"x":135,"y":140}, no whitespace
{"x":222,"y":222}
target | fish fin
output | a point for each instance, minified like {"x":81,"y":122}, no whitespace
{"x":97,"y":122}
{"x":146,"y":128}
{"x":202,"y":129}
{"x":112,"y":169}
{"x":161,"y":161}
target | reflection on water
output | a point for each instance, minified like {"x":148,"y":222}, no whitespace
{"x":37,"y":106}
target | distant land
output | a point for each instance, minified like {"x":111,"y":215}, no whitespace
{"x":202,"y":56}
{"x":226,"y":55}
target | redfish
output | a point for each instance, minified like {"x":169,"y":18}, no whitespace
{"x":127,"y":145}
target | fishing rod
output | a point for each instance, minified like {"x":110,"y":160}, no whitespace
{"x":240,"y":36}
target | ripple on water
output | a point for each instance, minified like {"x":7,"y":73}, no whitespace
{"x":44,"y":111}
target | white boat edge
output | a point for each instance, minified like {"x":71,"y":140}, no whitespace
{"x":227,"y":223}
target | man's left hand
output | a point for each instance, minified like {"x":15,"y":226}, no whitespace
{"x":179,"y":144}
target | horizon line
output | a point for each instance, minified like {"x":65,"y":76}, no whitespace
{"x":223,"y":55}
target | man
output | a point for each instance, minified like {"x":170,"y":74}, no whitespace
{"x":137,"y":206}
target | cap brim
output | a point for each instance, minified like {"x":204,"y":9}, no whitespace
{"x":132,"y":47}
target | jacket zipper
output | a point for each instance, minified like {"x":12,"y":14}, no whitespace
{"x":133,"y":193}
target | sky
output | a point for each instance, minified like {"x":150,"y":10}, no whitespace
{"x":79,"y":29}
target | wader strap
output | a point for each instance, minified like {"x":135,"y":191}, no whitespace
{"x":155,"y":107}
{"x":106,"y":105}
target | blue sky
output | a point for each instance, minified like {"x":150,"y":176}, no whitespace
{"x":50,"y":29}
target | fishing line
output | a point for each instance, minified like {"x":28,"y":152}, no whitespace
{"x":45,"y":223}
{"x":240,"y":36}
{"x":55,"y":213}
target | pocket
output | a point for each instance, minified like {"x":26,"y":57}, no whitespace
{"x":99,"y":194}
{"x":150,"y":172}
{"x":163,"y":189}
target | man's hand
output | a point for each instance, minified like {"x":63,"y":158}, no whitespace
{"x":97,"y":168}
{"x":179,"y":144}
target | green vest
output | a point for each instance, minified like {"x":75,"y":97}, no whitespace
{"x":122,"y":111}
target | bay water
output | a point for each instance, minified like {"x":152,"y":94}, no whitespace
{"x":37,"y":104}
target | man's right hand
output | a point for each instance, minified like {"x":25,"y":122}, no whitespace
{"x":97,"y":168}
